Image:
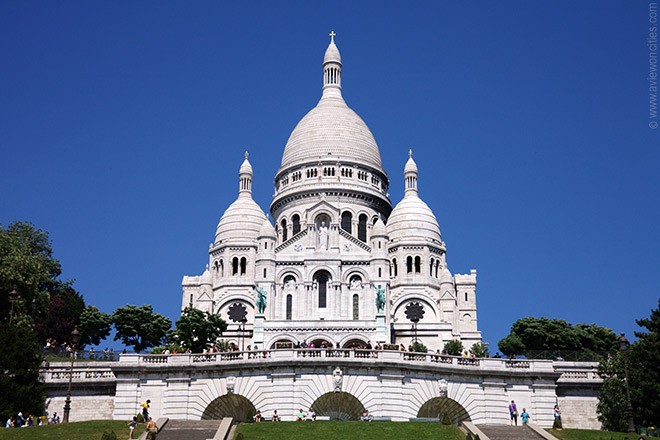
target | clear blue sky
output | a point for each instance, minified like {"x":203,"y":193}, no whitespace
{"x":123,"y":124}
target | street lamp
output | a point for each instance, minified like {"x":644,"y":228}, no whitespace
{"x":75,"y":339}
{"x":623,"y":345}
{"x":13,"y":296}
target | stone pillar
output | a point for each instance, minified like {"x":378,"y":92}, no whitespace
{"x":496,"y":404}
{"x":392,"y":396}
{"x":381,"y":329}
{"x":176,"y":406}
{"x":127,"y":398}
{"x":258,"y":331}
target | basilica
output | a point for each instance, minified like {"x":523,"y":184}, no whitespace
{"x":337,"y":266}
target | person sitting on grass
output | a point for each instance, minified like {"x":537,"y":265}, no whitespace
{"x":275,"y":418}
{"x":366,"y":417}
{"x":258,"y":417}
{"x":311,"y":415}
{"x":300,"y":416}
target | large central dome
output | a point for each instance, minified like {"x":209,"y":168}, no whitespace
{"x":331,"y":130}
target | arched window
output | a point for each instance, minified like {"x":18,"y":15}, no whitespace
{"x":409,"y":264}
{"x":356,"y":307}
{"x":362,"y":228}
{"x":322,"y":279}
{"x":191,"y":299}
{"x":396,"y":268}
{"x":265,"y":245}
{"x":437,"y":265}
{"x":418,"y":264}
{"x":431,"y":268}
{"x":234,"y":266}
{"x":466,"y":296}
{"x":380,"y":272}
{"x":296,"y":224}
{"x":347,"y":222}
{"x":285,"y":235}
{"x":265,"y":272}
{"x":289,"y":306}
{"x":243,"y":265}
{"x":221,"y":268}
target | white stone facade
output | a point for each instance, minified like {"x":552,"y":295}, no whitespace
{"x":335,"y":240}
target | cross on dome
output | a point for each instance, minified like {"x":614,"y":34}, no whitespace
{"x":332,"y":36}
{"x":409,"y":153}
{"x":246,"y":154}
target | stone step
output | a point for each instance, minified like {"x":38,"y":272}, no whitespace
{"x":504,"y":432}
{"x":189,"y":430}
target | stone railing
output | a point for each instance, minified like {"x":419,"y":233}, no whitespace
{"x":80,"y":374}
{"x":291,"y":240}
{"x":307,"y":355}
{"x":354,"y":240}
{"x":577,"y":371}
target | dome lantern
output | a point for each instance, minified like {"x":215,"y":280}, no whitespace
{"x":332,"y":69}
{"x":410,"y":174}
{"x":245,"y":176}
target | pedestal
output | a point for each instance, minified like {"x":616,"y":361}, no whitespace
{"x":381,"y":329}
{"x":258,"y":332}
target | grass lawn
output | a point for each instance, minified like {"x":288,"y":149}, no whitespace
{"x":588,"y":434}
{"x":71,"y":431}
{"x":348,"y":431}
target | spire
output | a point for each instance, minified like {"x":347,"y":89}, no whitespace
{"x":410,"y":174}
{"x":245,"y":176}
{"x":332,"y":69}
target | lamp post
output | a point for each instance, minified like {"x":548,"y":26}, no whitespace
{"x":623,"y":345}
{"x":13,"y":296}
{"x":75,"y":339}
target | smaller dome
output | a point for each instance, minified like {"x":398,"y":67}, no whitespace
{"x":267,"y":230}
{"x":206,"y":277}
{"x":246,"y":167}
{"x":379,"y":229}
{"x":445,"y":276}
{"x":242,"y":220}
{"x":411,"y":166}
{"x":412,"y":219}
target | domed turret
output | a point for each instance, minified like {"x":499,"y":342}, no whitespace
{"x":267,"y":230}
{"x":445,"y":276}
{"x":412,"y":218}
{"x":244,"y":218}
{"x":206,"y":277}
{"x":379,"y":229}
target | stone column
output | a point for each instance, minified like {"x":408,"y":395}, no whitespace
{"x":127,"y":398}
{"x":258,"y":332}
{"x":495,"y":403}
{"x":176,"y":405}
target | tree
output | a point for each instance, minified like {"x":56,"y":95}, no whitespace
{"x":454,"y":347}
{"x":140,"y":327}
{"x":553,"y":335}
{"x":19,"y":364}
{"x":94,"y":326}
{"x":196,"y":329}
{"x":612,"y":404}
{"x":480,"y":349}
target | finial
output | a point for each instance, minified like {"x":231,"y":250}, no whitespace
{"x":409,"y":153}
{"x":332,"y":36}
{"x":246,"y":154}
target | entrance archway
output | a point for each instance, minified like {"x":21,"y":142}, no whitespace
{"x":355,"y":343}
{"x":436,"y":407}
{"x":230,"y":405}
{"x":338,"y":406}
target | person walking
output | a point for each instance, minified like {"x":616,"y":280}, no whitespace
{"x":152,"y":429}
{"x":525,"y":417}
{"x":513,"y":412}
{"x":145,"y":410}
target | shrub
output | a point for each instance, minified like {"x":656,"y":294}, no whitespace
{"x":454,"y":348}
{"x":469,"y":436}
{"x":477,"y":437}
{"x":239,"y":436}
{"x":419,"y":347}
{"x":556,"y":424}
{"x":480,"y":349}
{"x":445,"y":418}
{"x":109,"y":436}
{"x":140,"y":418}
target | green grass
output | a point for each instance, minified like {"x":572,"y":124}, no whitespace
{"x":588,"y":434}
{"x":71,"y":431}
{"x":349,"y":431}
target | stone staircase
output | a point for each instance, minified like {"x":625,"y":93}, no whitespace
{"x":506,"y":432}
{"x":189,"y":430}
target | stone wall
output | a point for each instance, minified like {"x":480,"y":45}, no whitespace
{"x":83,"y":408}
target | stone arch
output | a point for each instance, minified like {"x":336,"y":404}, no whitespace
{"x":283,"y":339}
{"x":353,"y":341}
{"x":431,"y":312}
{"x":436,"y":407}
{"x":355,"y":271}
{"x":289,"y":271}
{"x":230,"y":405}
{"x":338,"y":406}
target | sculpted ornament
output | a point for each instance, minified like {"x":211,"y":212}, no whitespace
{"x":231,"y":381}
{"x":323,"y":237}
{"x":442,"y":384}
{"x":380,"y":299}
{"x":337,"y":379}
{"x":261,"y":299}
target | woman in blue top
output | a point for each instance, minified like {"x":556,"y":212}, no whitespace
{"x":525,"y":416}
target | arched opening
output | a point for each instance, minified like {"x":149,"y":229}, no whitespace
{"x":436,"y":407}
{"x":243,"y":265}
{"x":282,"y":344}
{"x":289,"y":307}
{"x":230,"y":405}
{"x":320,"y":343}
{"x":362,"y":228}
{"x":409,"y":264}
{"x":221,"y":268}
{"x":284,"y":231}
{"x":437,"y":265}
{"x":339,"y":406}
{"x":418,"y":264}
{"x":395,"y":267}
{"x":322,"y":278}
{"x":356,"y":307}
{"x":296,"y":224}
{"x":234,"y":266}
{"x":347,"y":221}
{"x":354,"y":343}
{"x":431,"y":267}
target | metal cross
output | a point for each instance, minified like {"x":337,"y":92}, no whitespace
{"x":332,"y":36}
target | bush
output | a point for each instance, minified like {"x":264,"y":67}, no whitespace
{"x":469,"y":436}
{"x":109,"y":436}
{"x":419,"y":347}
{"x":239,"y":436}
{"x":477,"y":437}
{"x":480,"y":349}
{"x":140,"y":418}
{"x":454,"y":348}
{"x":557,"y":424}
{"x":445,"y":418}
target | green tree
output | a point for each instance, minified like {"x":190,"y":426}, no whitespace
{"x":419,"y":347}
{"x":196,"y":329}
{"x":480,"y":349}
{"x":140,"y":327}
{"x":612,"y":405}
{"x":94,"y":326}
{"x":553,"y":335}
{"x":454,"y":347}
{"x":19,"y":364}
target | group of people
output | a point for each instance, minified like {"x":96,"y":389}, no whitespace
{"x":21,"y":421}
{"x":151,"y":428}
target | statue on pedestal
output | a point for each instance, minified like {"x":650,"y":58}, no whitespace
{"x":261,"y":299}
{"x":323,"y":237}
{"x":380,"y":299}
